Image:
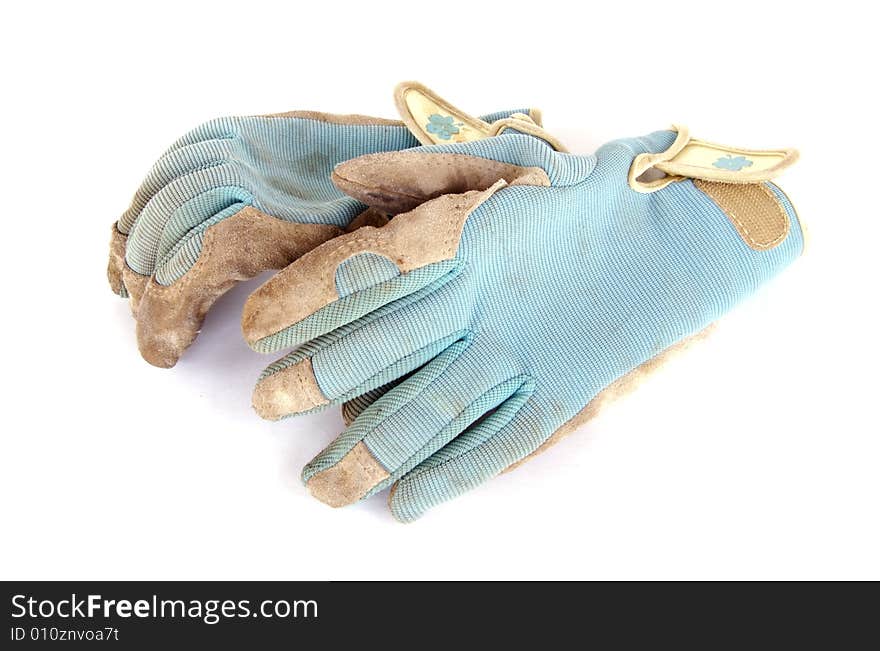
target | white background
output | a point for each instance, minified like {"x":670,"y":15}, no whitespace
{"x":755,"y":455}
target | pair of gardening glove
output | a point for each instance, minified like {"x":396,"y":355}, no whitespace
{"x":515,"y":289}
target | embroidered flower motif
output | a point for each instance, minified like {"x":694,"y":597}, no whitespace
{"x":732,"y":163}
{"x":444,"y":127}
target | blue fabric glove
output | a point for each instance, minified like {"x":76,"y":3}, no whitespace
{"x":230,"y":199}
{"x":522,"y":288}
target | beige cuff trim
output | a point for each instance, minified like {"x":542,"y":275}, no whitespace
{"x":418,"y":106}
{"x":525,"y":126}
{"x":688,"y":158}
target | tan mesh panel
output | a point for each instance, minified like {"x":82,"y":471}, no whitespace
{"x":753,"y":209}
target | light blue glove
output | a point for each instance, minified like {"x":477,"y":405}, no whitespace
{"x":230,"y":199}
{"x":515,"y":307}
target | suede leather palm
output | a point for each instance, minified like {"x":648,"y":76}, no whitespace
{"x":232,"y":198}
{"x":520,"y":287}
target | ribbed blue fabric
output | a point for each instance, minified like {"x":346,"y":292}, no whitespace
{"x":356,"y":310}
{"x":280,"y":165}
{"x":356,"y":406}
{"x":559,"y":291}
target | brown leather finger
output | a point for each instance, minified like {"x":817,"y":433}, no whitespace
{"x":135,"y":285}
{"x":399,"y":181}
{"x":428,"y":234}
{"x":117,"y":261}
{"x":238,"y":248}
{"x":621,"y":387}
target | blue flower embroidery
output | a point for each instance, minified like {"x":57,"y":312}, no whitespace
{"x":734,"y":164}
{"x":443,"y":126}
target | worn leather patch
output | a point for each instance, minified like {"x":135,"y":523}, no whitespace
{"x":430,"y":233}
{"x":292,"y":390}
{"x":346,"y":482}
{"x":756,"y":213}
{"x":117,"y":261}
